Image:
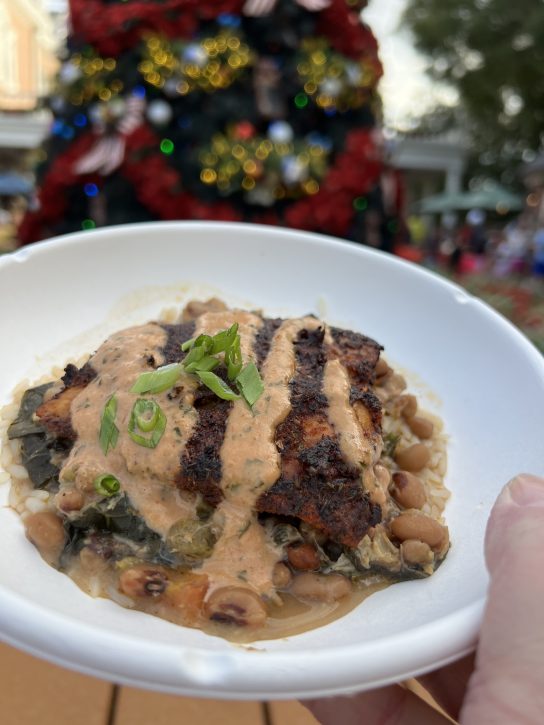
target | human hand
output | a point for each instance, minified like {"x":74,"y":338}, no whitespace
{"x":504,"y":681}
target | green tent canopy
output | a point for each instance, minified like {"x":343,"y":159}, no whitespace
{"x":490,"y":198}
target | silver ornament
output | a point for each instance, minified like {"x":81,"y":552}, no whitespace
{"x":96,"y":113}
{"x":170,"y":87}
{"x":69,"y":73}
{"x":195,"y":54}
{"x":159,"y":112}
{"x":293,"y":170}
{"x":116,"y":108}
{"x":331,"y":87}
{"x":280,"y":132}
{"x":354,"y":74}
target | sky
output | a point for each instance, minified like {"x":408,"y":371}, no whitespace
{"x":406,"y":90}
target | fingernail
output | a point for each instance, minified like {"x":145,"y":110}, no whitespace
{"x":523,"y":490}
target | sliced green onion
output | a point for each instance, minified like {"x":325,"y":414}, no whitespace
{"x":206,"y":364}
{"x":147,"y":414}
{"x":156,"y":381}
{"x":250,"y":383}
{"x":193,"y":356}
{"x":109,"y":432}
{"x":107,"y":485}
{"x":201,"y":360}
{"x":139,"y":415}
{"x":233,"y":359}
{"x":223,"y":340}
{"x":217,"y":386}
{"x":205,"y":342}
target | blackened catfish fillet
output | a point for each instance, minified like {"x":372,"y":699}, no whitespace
{"x":55,"y":413}
{"x":316,"y":484}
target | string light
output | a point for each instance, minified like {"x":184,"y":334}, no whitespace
{"x":332,"y":81}
{"x":96,"y":79}
{"x":282,"y":170}
{"x":360,"y":203}
{"x":167,"y":146}
{"x":90,"y":190}
{"x":213,"y":63}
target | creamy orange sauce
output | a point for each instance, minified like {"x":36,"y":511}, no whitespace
{"x":146,"y":475}
{"x":355,"y":446}
{"x":251,"y":464}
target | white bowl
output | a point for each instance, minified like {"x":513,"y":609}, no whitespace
{"x":62,"y":297}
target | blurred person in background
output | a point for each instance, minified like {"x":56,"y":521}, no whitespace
{"x":538,"y":254}
{"x":510,"y":250}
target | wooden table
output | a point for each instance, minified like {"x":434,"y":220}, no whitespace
{"x":34,"y":692}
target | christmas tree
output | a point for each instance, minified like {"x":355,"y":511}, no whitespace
{"x":254,"y":110}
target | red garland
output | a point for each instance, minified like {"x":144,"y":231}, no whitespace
{"x":356,"y":171}
{"x":159,"y":187}
{"x":114,"y":28}
{"x":53,"y":191}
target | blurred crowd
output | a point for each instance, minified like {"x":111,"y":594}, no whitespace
{"x":476,"y":246}
{"x":12,"y":210}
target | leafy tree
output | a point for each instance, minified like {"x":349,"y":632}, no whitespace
{"x":492,"y":52}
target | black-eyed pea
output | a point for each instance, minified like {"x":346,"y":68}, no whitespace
{"x":92,"y":562}
{"x":407,"y":490}
{"x":416,"y":552}
{"x":421,"y":427}
{"x":185,"y":598}
{"x":383,"y":475}
{"x":414,"y":458}
{"x":237,"y":606}
{"x":320,"y":587}
{"x":378,"y":496}
{"x":415,"y":525}
{"x":303,"y":557}
{"x":46,"y":531}
{"x":281,"y":576}
{"x":408,"y":406}
{"x":195,"y":308}
{"x":69,"y":499}
{"x":396,"y":383}
{"x":382,"y":369}
{"x":143,"y":581}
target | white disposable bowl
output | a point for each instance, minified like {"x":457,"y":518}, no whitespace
{"x":62,"y":297}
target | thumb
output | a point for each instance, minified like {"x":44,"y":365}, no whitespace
{"x":508,"y":682}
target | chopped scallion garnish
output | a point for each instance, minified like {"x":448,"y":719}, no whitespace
{"x":109,"y":432}
{"x":206,"y":364}
{"x":250,"y":384}
{"x":205,"y":342}
{"x":193,"y":356}
{"x":202,"y":358}
{"x":233,"y":358}
{"x":223,"y":340}
{"x":146,"y":416}
{"x":107,"y":485}
{"x":156,"y":381}
{"x":217,"y":386}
